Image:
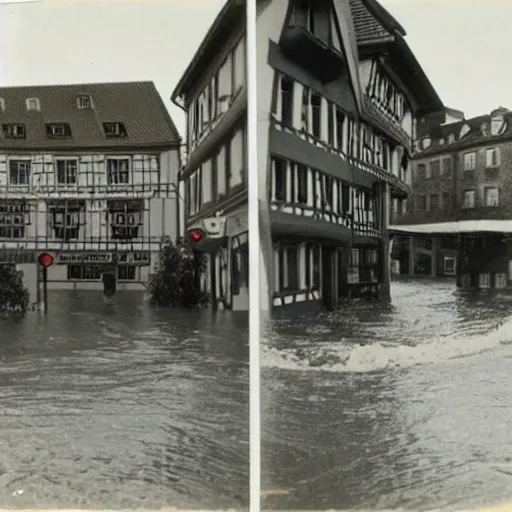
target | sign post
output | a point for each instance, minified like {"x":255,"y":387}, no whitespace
{"x":45,"y":260}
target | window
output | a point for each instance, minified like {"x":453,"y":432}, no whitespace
{"x":316,"y":102}
{"x":451,"y":138}
{"x":57,"y":130}
{"x":434,"y":168}
{"x":449,"y":264}
{"x":492,"y":157}
{"x":469,"y":161}
{"x":66,"y":218}
{"x":14,"y":131}
{"x":428,"y":171}
{"x":469,"y":199}
{"x":497,"y":125}
{"x":464,"y":130}
{"x":13,"y":219}
{"x":280,"y":174}
{"x":33,"y":104}
{"x":340,"y":121}
{"x":2,"y":104}
{"x":19,"y":172}
{"x":312,"y":266}
{"x":302,"y":184}
{"x":447,"y":166}
{"x":420,"y":203}
{"x":239,"y":65}
{"x":422,"y":171}
{"x":288,"y":268}
{"x":84,"y":273}
{"x":225,"y":86}
{"x":236,"y":163}
{"x":125,"y":219}
{"x":303,"y":15}
{"x":492,"y":196}
{"x":67,"y":172}
{"x":286,"y":101}
{"x":446,"y":200}
{"x":118,"y":171}
{"x":434,"y":202}
{"x":127,"y":272}
{"x":426,"y":143}
{"x":84,"y":102}
{"x":114,"y":130}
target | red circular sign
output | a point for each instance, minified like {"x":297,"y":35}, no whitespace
{"x":46,"y":260}
{"x":196,"y":235}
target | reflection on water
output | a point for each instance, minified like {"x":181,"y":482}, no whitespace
{"x":391,"y":405}
{"x":117,"y":405}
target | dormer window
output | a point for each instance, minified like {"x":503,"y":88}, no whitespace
{"x":451,"y":138}
{"x":426,"y":143}
{"x":485,"y":129}
{"x":441,"y":142}
{"x":58,"y":130}
{"x":33,"y":104}
{"x":497,"y":125}
{"x":14,"y":131}
{"x":114,"y":130}
{"x":84,"y":102}
{"x":464,"y":130}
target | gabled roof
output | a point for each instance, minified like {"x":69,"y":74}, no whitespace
{"x":378,"y":31}
{"x":373,"y":23}
{"x":217,"y":34}
{"x":137,"y":105}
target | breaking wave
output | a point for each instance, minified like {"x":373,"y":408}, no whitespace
{"x":335,"y":355}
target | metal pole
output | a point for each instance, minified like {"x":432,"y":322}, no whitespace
{"x":45,"y":289}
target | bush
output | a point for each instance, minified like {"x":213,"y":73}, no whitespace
{"x":176,"y":282}
{"x":14,"y":297}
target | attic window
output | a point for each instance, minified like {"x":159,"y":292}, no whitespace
{"x":441,"y":141}
{"x":114,"y":130}
{"x":426,"y":143}
{"x":485,"y":129}
{"x":464,"y":130}
{"x":451,"y":138}
{"x":14,"y":131}
{"x":497,"y":125}
{"x":58,"y":130}
{"x":84,"y":102}
{"x":33,"y":104}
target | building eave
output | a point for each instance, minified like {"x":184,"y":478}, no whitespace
{"x":385,"y":18}
{"x":222,"y":23}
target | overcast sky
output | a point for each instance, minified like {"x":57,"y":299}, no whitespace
{"x":461,"y":44}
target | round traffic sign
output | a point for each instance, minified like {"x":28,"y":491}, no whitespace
{"x":45,"y":260}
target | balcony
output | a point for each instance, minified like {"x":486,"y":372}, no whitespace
{"x":303,"y":47}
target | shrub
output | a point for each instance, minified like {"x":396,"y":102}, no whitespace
{"x":14,"y":297}
{"x":176,"y":282}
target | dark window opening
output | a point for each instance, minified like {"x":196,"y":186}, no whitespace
{"x":114,"y":130}
{"x":316,"y":102}
{"x":280,"y":179}
{"x":286,"y":101}
{"x":302,"y":185}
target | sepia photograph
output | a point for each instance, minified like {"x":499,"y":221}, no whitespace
{"x":384,"y":132}
{"x":124,"y":376}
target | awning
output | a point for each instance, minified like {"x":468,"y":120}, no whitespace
{"x":463,"y":226}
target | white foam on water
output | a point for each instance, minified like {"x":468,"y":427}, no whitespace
{"x":340,"y":357}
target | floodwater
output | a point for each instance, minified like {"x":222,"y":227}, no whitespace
{"x":120,"y":406}
{"x":405,"y":405}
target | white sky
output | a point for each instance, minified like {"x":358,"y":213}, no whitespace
{"x":461,"y":44}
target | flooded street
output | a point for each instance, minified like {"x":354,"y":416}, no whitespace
{"x":385,"y":406}
{"x":108,"y":406}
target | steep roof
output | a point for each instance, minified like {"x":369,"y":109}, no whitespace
{"x":137,"y":105}
{"x":217,"y":35}
{"x":373,"y":23}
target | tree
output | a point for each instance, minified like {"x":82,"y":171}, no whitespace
{"x":176,"y":282}
{"x":14,"y":297}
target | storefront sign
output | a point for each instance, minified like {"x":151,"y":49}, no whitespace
{"x":136,"y":258}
